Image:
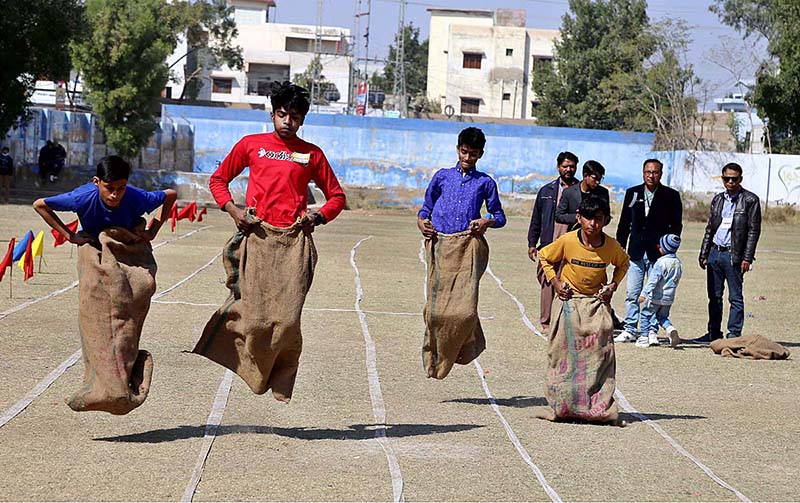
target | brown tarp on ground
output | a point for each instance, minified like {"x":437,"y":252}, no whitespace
{"x":751,"y":347}
{"x":256,"y":332}
{"x":117,"y":280}
{"x":581,"y":373}
{"x":453,"y":332}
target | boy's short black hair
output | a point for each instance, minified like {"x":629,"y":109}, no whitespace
{"x":289,"y":97}
{"x":593,"y":168}
{"x":112,"y":168}
{"x":472,"y":137}
{"x":567,"y":155}
{"x":592,"y":205}
{"x":733,"y":167}
{"x":4,"y":149}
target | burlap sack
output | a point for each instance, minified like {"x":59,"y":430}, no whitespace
{"x":751,"y":347}
{"x":581,"y":371}
{"x":453,"y":332}
{"x":117,"y":280}
{"x":256,"y":332}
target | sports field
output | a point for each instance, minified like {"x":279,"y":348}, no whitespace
{"x":365,"y":424}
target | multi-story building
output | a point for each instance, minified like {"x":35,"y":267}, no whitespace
{"x":480,"y":61}
{"x":273,"y":52}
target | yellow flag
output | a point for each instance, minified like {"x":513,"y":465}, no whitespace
{"x":36,"y":247}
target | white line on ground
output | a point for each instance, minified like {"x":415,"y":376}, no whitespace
{"x":72,"y":285}
{"x":45,"y":383}
{"x":627,"y":407}
{"x":212,"y":425}
{"x":514,"y":439}
{"x":375,"y":394}
{"x":509,"y":431}
{"x":187,"y":278}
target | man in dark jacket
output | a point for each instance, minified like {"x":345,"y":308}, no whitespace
{"x":649,"y":211}
{"x":543,"y":229}
{"x":567,"y":211}
{"x":728,"y":250}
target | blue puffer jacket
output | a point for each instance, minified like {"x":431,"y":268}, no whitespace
{"x":663,"y":279}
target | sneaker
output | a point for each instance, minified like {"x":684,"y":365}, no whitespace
{"x":643,"y":342}
{"x":652,"y":337}
{"x":674,"y":338}
{"x":624,"y":336}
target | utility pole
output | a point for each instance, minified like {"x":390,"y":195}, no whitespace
{"x":354,"y":48}
{"x":366,"y":37}
{"x":399,"y":63}
{"x":317,"y":61}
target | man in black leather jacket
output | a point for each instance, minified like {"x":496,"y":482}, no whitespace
{"x":728,"y":250}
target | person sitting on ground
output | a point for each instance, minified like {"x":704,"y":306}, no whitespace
{"x":581,"y":373}
{"x":658,"y":294}
{"x":593,"y":173}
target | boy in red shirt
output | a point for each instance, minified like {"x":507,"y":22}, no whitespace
{"x":270,"y":260}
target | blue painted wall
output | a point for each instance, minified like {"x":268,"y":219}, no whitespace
{"x":406,"y":152}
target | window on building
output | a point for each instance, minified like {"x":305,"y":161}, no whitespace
{"x":539,"y":61}
{"x":248,"y":16}
{"x":509,"y":51}
{"x":470,"y":105}
{"x":506,"y":96}
{"x":472,"y":60}
{"x":167,"y":92}
{"x":297,"y":44}
{"x":220,"y":85}
{"x":260,"y":76}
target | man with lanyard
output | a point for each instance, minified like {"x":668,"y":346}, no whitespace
{"x":649,"y":211}
{"x":544,"y":229}
{"x":728,"y":251}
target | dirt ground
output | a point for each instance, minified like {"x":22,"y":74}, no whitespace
{"x":718,"y":429}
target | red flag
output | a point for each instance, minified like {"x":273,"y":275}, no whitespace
{"x":173,"y":214}
{"x":28,"y":264}
{"x":189,"y":211}
{"x":200,"y":215}
{"x":8,"y":260}
{"x":59,"y":239}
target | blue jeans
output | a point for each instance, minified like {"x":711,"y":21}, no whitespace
{"x":655,"y":312}
{"x":636,"y":273}
{"x":719,"y":270}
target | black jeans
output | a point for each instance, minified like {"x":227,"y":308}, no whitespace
{"x":719,"y":271}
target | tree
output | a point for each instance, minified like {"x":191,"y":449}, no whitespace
{"x":603,"y":44}
{"x":415,"y":63}
{"x":776,"y":94}
{"x":34,"y":44}
{"x":123,"y":62}
{"x":668,"y":89}
{"x":210,"y":34}
{"x":313,"y":73}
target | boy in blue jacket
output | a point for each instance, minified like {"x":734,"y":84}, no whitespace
{"x":659,"y":294}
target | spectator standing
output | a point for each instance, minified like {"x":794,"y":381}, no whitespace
{"x":544,"y":229}
{"x":728,"y":251}
{"x":567,"y":211}
{"x":649,"y":211}
{"x":6,"y":174}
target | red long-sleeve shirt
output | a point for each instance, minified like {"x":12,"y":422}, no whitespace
{"x":279,"y":174}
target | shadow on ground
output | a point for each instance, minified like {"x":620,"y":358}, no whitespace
{"x":631,"y":418}
{"x":353,"y":432}
{"x":515,"y":401}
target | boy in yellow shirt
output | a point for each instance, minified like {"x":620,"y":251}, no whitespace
{"x":582,"y":365}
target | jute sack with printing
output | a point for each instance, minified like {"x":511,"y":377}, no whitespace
{"x":750,"y":347}
{"x":581,"y":371}
{"x":256,"y":332}
{"x":453,"y":332}
{"x":116,"y":281}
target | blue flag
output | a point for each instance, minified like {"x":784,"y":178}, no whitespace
{"x":19,"y":250}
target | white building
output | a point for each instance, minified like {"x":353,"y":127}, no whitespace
{"x":480,"y":61}
{"x":273,"y":52}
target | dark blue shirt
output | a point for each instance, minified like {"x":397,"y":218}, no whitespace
{"x":95,"y":216}
{"x":454,"y":199}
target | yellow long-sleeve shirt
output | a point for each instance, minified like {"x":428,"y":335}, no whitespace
{"x":584,"y":267}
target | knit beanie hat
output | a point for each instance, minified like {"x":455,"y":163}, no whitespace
{"x":670,"y":243}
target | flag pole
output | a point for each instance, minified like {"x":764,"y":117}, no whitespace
{"x":10,"y":281}
{"x":40,"y":263}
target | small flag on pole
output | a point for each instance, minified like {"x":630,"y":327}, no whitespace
{"x":8,"y":260}
{"x":173,"y":215}
{"x":22,"y":245}
{"x":27,"y":262}
{"x":59,"y":239}
{"x":189,"y":211}
{"x":200,"y":215}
